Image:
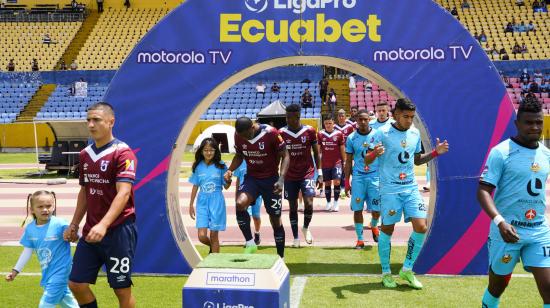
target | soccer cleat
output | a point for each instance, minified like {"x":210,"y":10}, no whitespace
{"x":411,"y":279}
{"x":343,"y":194}
{"x":335,"y":207}
{"x":388,"y":281}
{"x":257,"y":239}
{"x":296,"y":243}
{"x":250,"y":249}
{"x":359,"y":244}
{"x":329,"y":206}
{"x":375,"y":233}
{"x":307,"y":235}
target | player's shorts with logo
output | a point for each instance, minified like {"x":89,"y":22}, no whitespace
{"x":335,"y":173}
{"x":264,"y":187}
{"x":210,"y":211}
{"x":365,"y":189}
{"x":293,"y":188}
{"x":115,"y":251}
{"x":408,"y":203}
{"x":533,"y":249}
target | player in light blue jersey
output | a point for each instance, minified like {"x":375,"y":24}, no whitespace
{"x":364,"y":184}
{"x":208,"y":176}
{"x":255,"y":209}
{"x":382,"y":110}
{"x":399,"y":150}
{"x":517,"y":169}
{"x":44,"y":236}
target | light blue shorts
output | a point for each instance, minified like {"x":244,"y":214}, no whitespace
{"x":533,"y":248}
{"x":254,"y":209}
{"x":210,"y":211}
{"x":407,"y":203}
{"x":365,"y":190}
{"x":57,"y":294}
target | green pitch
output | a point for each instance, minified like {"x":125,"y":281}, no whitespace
{"x":334,"y":285}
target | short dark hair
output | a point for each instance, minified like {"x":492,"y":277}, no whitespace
{"x":328,"y":117}
{"x":360,"y":111}
{"x":382,"y":103}
{"x":530,"y":104}
{"x":104,"y":106}
{"x":293,"y":108}
{"x":405,"y":104}
{"x":243,"y":124}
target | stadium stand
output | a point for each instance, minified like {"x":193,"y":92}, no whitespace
{"x":62,"y":105}
{"x":368,"y":94}
{"x":114,"y":36}
{"x":492,"y":17}
{"x":13,"y":98}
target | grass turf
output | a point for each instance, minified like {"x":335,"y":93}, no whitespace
{"x":338,"y":291}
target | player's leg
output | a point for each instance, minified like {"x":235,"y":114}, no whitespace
{"x":536,"y":259}
{"x":125,"y":297}
{"x":503,"y":257}
{"x":86,"y":265}
{"x":214,"y":241}
{"x":542,"y":277}
{"x":373,"y":205}
{"x":338,"y":183}
{"x":218,"y":220}
{"x":328,"y":194}
{"x":273,"y":206}
{"x":54,"y":293}
{"x":308,"y":192}
{"x":292,"y":188}
{"x":278,"y":233}
{"x":256,"y":217}
{"x":391,"y":211}
{"x":248,"y":193}
{"x":203,"y":237}
{"x":357,"y":204}
{"x":68,"y":300}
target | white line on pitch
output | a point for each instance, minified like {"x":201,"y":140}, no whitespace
{"x":296,"y":291}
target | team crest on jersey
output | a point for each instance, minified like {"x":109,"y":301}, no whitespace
{"x":392,"y":212}
{"x":104,"y":165}
{"x":535,"y":167}
{"x":365,"y":144}
{"x":530,"y":214}
{"x":357,"y":200}
{"x":244,"y":146}
{"x":506,"y":258}
{"x":303,"y":138}
{"x":262,"y":145}
{"x":85,"y":166}
{"x":333,"y":138}
{"x":403,"y":143}
{"x":130,"y":165}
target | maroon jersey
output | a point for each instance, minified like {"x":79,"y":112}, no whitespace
{"x":330,"y":148}
{"x":347,"y":129}
{"x":100,"y":169}
{"x":299,"y":145}
{"x":261,"y":152}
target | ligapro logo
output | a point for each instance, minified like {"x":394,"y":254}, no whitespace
{"x":224,"y":305}
{"x":298,"y":6}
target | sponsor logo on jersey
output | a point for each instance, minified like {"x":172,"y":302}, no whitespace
{"x":402,"y":176}
{"x":403,"y":143}
{"x":535,"y":167}
{"x":530,"y":214}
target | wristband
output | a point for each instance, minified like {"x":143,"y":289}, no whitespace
{"x":498,"y":219}
{"x":13,"y":269}
{"x":434,"y":154}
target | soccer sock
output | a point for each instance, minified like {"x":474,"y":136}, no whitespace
{"x":308,"y":214}
{"x":328,"y":192}
{"x":489,"y":300}
{"x":359,"y":231}
{"x":243,"y":219}
{"x":384,"y":251}
{"x":294,"y":223}
{"x":90,"y":305}
{"x":415,"y":245}
{"x":279,"y":235}
{"x":337,"y":191}
{"x":373,"y":222}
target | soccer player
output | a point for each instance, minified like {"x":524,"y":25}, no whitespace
{"x":382,"y":110}
{"x":263,"y":149}
{"x":300,"y":141}
{"x":332,"y":149}
{"x":255,"y":209}
{"x":399,"y":142}
{"x":107,"y":172}
{"x":353,"y":114}
{"x":346,"y":129}
{"x":517,"y":169}
{"x":365,"y":180}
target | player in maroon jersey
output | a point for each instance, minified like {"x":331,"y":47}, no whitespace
{"x":346,"y":129}
{"x":300,"y":141}
{"x":107,"y":172}
{"x":263,"y":149}
{"x":332,"y":148}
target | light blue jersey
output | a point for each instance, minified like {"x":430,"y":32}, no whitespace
{"x":396,"y":165}
{"x":358,"y":145}
{"x":519,"y":175}
{"x":210,"y":209}
{"x":54,"y":254}
{"x":376,"y":124}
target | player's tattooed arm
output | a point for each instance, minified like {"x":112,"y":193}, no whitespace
{"x":235,"y":163}
{"x":484,"y":196}
{"x":440,"y":149}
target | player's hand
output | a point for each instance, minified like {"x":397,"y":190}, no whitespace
{"x":278,"y":186}
{"x":320,"y":181}
{"x":441,"y":147}
{"x":508,"y":232}
{"x":347,"y":188}
{"x":227,"y":176}
{"x":70,"y":234}
{"x":192,"y":212}
{"x":96,"y":234}
{"x":379,"y":149}
{"x":11,"y":276}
